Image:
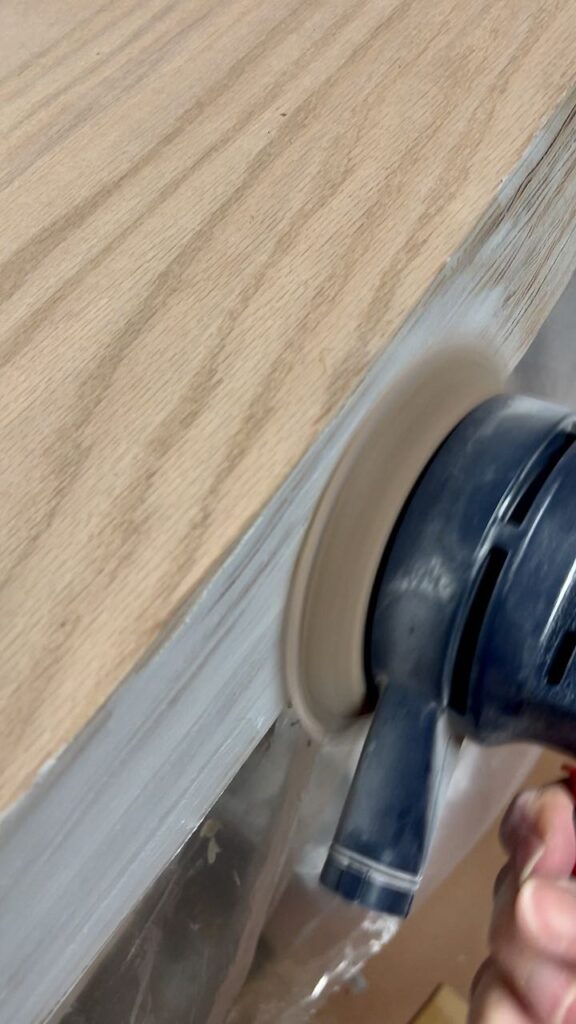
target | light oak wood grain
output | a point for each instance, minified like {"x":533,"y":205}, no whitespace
{"x":104,"y":819}
{"x":214,"y":216}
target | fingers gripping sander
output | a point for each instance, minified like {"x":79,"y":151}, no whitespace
{"x":469,"y":631}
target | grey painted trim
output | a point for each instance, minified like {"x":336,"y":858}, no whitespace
{"x":105,"y":818}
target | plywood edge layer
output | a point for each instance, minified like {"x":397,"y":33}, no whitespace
{"x":105,"y":818}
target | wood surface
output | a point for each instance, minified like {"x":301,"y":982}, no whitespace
{"x":214,"y":216}
{"x":105,"y":818}
{"x":444,"y":1007}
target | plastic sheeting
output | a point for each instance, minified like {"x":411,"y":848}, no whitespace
{"x":314,"y":942}
{"x":242,"y":898}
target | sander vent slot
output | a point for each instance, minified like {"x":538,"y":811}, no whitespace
{"x":561,"y":658}
{"x":560,"y":446}
{"x":468,"y":644}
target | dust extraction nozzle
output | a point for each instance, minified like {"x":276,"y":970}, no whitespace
{"x":471,"y":629}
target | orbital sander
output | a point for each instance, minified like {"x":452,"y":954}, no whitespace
{"x":437,"y":587}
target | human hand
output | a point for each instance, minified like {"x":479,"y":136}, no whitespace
{"x":530,"y":977}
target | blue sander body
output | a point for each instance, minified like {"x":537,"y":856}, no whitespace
{"x":471,"y":628}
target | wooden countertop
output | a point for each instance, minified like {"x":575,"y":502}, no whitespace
{"x":214,"y":216}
